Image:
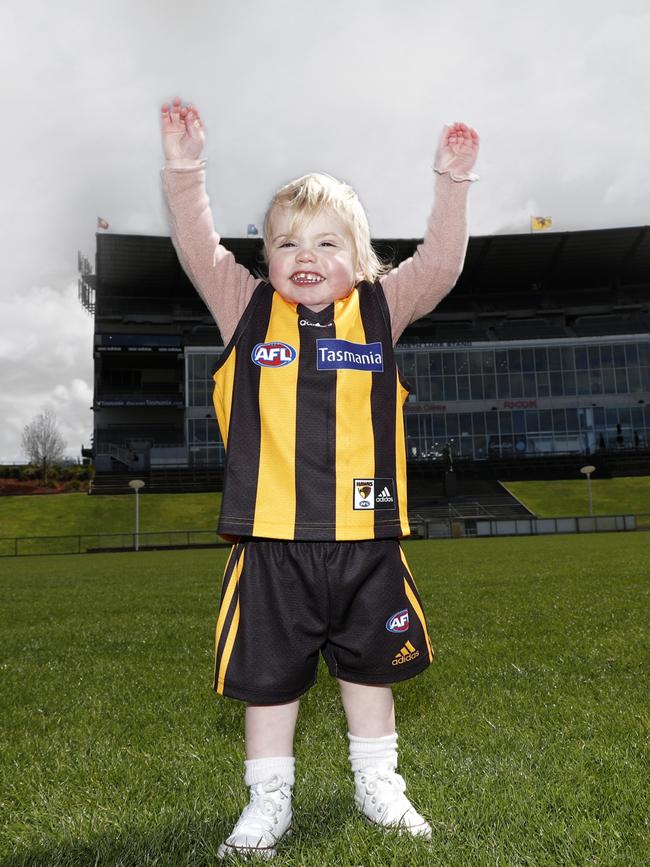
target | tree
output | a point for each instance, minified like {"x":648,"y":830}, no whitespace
{"x":42,"y":442}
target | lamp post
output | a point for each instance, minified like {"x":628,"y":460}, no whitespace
{"x":136,"y":484}
{"x":587,"y":472}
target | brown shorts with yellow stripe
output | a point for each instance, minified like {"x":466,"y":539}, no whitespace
{"x":284,"y":602}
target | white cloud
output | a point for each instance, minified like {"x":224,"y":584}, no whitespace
{"x":45,"y":363}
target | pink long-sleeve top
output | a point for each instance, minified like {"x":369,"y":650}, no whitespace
{"x":412,"y":289}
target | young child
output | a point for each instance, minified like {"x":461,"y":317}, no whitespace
{"x":309,"y":403}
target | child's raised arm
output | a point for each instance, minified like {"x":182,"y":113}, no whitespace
{"x":419,"y":283}
{"x":225,"y":286}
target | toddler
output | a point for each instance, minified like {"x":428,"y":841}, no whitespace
{"x":309,"y":402}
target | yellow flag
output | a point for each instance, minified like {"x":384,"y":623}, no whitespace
{"x":539,"y":223}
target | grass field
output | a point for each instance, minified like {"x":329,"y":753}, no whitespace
{"x":526,"y":743}
{"x":555,"y":498}
{"x":73,"y":514}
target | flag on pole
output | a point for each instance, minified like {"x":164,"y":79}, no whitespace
{"x":537,"y":224}
{"x":101,"y":223}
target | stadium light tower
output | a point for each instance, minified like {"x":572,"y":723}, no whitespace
{"x":588,"y":471}
{"x":136,"y":484}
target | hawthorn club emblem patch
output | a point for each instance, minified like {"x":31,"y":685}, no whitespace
{"x":374,"y":494}
{"x":363,"y":489}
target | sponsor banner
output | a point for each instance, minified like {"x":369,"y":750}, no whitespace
{"x":373,"y":493}
{"x":145,"y":401}
{"x":530,"y":403}
{"x":138,"y":342}
{"x":138,"y":349}
{"x":334,"y":354}
{"x":409,"y":347}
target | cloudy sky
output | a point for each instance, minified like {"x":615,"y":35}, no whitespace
{"x":558,"y":92}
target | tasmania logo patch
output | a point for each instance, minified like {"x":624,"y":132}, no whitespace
{"x":398,"y":622}
{"x":333,"y":354}
{"x":273,"y":354}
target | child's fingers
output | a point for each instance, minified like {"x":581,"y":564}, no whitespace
{"x":194,"y":112}
{"x":193,"y":119}
{"x":177,"y":112}
{"x":468,"y":131}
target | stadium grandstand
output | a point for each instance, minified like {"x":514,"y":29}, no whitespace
{"x":537,"y":363}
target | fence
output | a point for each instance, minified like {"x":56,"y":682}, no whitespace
{"x":423,"y":528}
{"x":91,"y":543}
{"x":436,"y":528}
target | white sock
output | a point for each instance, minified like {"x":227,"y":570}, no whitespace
{"x":260,"y":770}
{"x":371,"y":751}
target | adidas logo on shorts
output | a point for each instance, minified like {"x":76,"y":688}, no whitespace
{"x":406,"y":654}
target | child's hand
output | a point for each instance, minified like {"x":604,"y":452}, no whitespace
{"x":457,"y":151}
{"x":182,"y":132}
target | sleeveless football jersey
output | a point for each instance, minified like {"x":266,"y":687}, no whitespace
{"x":310,"y":410}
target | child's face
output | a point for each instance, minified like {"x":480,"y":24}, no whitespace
{"x":315,"y":265}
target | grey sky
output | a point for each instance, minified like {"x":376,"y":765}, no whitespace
{"x":358,"y":88}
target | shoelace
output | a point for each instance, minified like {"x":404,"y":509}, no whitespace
{"x":263,"y":808}
{"x":372,"y":777}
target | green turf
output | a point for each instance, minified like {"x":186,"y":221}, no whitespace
{"x":525,"y":744}
{"x":71,"y":514}
{"x":555,"y":498}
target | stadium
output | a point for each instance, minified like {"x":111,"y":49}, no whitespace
{"x":526,"y":743}
{"x":535,"y":364}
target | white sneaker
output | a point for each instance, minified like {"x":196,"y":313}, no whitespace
{"x":263,"y":822}
{"x":379,"y":794}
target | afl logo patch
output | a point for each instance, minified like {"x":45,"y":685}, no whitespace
{"x":398,"y":622}
{"x":274,"y":354}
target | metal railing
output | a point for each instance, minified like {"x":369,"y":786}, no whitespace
{"x":92,"y":543}
{"x":422,"y":527}
{"x":461,"y":527}
{"x":124,"y":456}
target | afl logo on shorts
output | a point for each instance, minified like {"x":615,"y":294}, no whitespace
{"x":273,"y":354}
{"x":398,"y":622}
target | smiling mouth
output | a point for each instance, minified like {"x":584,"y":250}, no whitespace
{"x":304,"y":278}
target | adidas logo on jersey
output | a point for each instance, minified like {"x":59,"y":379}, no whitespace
{"x":385,"y":496}
{"x":406,"y":654}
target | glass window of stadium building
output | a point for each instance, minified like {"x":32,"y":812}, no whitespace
{"x":205,"y":446}
{"x":498,"y":399}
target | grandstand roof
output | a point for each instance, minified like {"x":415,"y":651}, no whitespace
{"x":590,"y":259}
{"x":596,"y":257}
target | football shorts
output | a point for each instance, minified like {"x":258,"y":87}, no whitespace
{"x":285,"y":602}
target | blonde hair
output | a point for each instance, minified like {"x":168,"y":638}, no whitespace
{"x":316,"y":192}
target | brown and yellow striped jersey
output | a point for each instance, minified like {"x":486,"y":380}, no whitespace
{"x":310,"y":410}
